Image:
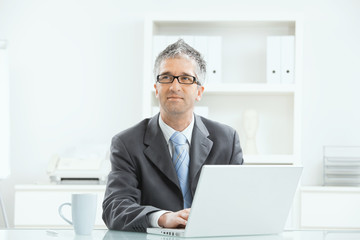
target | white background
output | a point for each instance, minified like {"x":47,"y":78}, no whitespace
{"x":76,"y":74}
{"x":4,"y":112}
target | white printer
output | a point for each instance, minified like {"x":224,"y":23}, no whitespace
{"x":88,"y":164}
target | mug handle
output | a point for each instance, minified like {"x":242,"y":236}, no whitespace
{"x":61,"y":215}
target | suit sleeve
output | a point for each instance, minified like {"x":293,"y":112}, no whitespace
{"x":237,"y":154}
{"x":121,"y":205}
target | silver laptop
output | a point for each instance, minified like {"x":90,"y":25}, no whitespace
{"x":232,"y":200}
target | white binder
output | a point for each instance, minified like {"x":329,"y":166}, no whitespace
{"x":280,"y":58}
{"x":273,"y":60}
{"x":287,"y":59}
{"x":201,"y":45}
{"x":214,"y":59}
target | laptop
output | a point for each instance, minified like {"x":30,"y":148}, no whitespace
{"x":233,"y":200}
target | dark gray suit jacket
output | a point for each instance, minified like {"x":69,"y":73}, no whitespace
{"x":143,"y":179}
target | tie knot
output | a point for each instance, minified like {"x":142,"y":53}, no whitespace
{"x":178,"y":138}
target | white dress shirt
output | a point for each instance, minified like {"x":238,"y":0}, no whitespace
{"x":168,"y":132}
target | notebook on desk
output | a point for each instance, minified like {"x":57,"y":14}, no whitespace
{"x":232,"y":200}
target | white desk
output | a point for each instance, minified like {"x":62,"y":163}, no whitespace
{"x":37,"y":234}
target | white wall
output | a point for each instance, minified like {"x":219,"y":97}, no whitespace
{"x":4,"y":112}
{"x":76,"y":69}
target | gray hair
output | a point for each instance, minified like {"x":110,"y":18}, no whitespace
{"x":182,"y":49}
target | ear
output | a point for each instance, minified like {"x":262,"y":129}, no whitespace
{"x":200,"y":91}
{"x":156,"y":90}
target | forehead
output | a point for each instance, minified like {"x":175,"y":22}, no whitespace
{"x":178,"y":65}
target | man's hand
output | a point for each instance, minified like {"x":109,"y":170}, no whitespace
{"x":174,"y":219}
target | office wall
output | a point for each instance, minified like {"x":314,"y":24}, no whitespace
{"x":76,"y":72}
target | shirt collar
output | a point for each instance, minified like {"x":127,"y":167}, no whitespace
{"x":169,"y":131}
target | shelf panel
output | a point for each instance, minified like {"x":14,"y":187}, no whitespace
{"x":250,"y":88}
{"x":269,"y":159}
{"x":59,"y":187}
{"x":244,"y":89}
{"x":30,"y":198}
{"x":244,"y":19}
{"x":335,"y":189}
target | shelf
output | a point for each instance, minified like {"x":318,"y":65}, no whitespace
{"x":244,"y":89}
{"x":36,"y":205}
{"x":241,"y":83}
{"x":250,"y":88}
{"x":244,"y":19}
{"x":59,"y":187}
{"x":275,"y":134}
{"x":330,"y":207}
{"x":335,"y":189}
{"x":269,"y":159}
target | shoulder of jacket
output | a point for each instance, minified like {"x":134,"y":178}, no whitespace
{"x":212,"y":125}
{"x":133,"y":131}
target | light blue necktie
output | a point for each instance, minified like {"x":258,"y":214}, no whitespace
{"x":181,"y":162}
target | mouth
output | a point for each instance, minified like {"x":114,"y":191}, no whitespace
{"x":174,"y":98}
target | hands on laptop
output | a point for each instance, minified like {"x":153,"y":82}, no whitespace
{"x":174,"y":219}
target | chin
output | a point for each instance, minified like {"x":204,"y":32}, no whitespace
{"x":174,"y":111}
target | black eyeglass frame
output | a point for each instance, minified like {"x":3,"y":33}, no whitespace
{"x":177,"y":78}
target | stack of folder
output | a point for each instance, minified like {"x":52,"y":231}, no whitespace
{"x":342,"y":166}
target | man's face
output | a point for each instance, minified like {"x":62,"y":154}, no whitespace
{"x":176,"y":98}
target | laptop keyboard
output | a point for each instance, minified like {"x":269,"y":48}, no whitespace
{"x":172,"y":232}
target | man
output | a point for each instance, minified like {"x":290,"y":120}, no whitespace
{"x":156,"y":164}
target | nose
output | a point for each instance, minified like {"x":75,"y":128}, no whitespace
{"x":175,"y":85}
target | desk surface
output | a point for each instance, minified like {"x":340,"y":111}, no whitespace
{"x":29,"y":234}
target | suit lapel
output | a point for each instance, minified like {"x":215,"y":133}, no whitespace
{"x":200,"y":149}
{"x":158,"y":151}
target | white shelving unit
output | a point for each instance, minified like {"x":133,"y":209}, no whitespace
{"x":243,"y":78}
{"x":36,"y":205}
{"x":330,"y":207}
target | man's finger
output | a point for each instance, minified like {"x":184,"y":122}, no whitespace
{"x":184,"y":215}
{"x":181,"y":222}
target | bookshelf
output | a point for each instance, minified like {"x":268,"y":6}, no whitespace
{"x":241,"y":82}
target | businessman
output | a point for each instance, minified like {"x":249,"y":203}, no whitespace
{"x":156,"y":164}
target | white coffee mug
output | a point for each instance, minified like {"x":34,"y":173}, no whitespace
{"x":83,"y":211}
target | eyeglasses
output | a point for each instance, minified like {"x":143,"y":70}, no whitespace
{"x":184,"y":79}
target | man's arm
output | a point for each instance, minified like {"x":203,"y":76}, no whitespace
{"x":174,"y":219}
{"x":237,"y":154}
{"x":121,"y":206}
{"x":122,"y":209}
